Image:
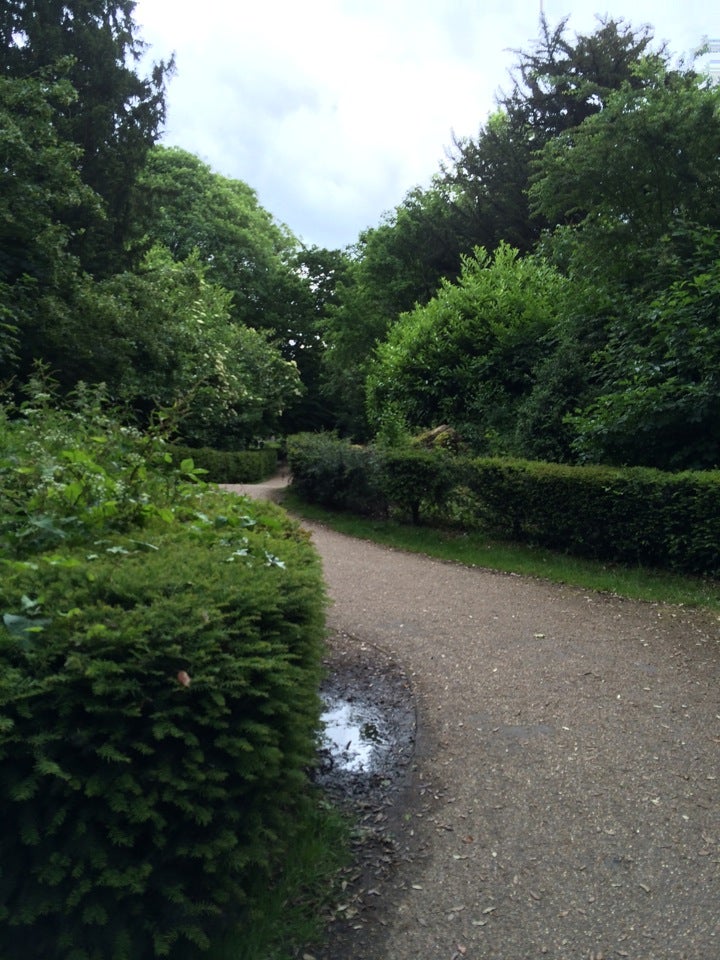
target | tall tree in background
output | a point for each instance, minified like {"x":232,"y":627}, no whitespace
{"x":393,"y":267}
{"x":322,"y":273}
{"x":556,"y":85}
{"x":629,"y":180}
{"x":277,"y":286}
{"x":637,"y":189}
{"x":40,"y":189}
{"x":114,"y":118}
{"x":560,"y":83}
{"x":466,"y":357}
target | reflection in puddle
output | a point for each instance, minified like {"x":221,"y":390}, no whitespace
{"x":352,"y":733}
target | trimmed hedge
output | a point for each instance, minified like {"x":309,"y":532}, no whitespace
{"x":367,"y":480}
{"x":229,"y":466}
{"x":336,"y":473}
{"x":158,"y":711}
{"x":411,"y":478}
{"x":634,"y":515}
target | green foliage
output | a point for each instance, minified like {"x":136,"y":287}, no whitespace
{"x":411,"y":478}
{"x":557,"y":84}
{"x":228,"y":466}
{"x":489,"y":175}
{"x":634,"y":515}
{"x":561,"y":81}
{"x":328,"y":470}
{"x":112,"y":118}
{"x":158,"y":720}
{"x":162,"y":336}
{"x":393,"y":267}
{"x":466,"y":358}
{"x":40,"y":187}
{"x":629,"y":173}
{"x":231,"y":382}
{"x":160,"y":654}
{"x":277,"y":287}
{"x":192,"y":210}
{"x":33,"y":239}
{"x":79,"y":289}
{"x":660,"y":380}
{"x":69,"y":477}
{"x":368,"y":480}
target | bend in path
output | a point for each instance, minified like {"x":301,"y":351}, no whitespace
{"x":566,"y":794}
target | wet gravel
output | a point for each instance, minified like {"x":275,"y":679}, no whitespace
{"x":380,"y":721}
{"x":376,"y":791}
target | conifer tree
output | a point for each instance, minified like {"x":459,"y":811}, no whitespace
{"x":115,"y":118}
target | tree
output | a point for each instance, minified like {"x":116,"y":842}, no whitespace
{"x":466,"y":358}
{"x":393,"y":266}
{"x":560,"y":83}
{"x":40,"y":188}
{"x":628,"y":174}
{"x":660,"y":368}
{"x":276,"y":285}
{"x":322,"y":272}
{"x":190,"y":207}
{"x":634,"y":191}
{"x":490,"y":176}
{"x":163,"y":336}
{"x":556,"y":86}
{"x":114,"y":117}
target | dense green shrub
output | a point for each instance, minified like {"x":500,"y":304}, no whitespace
{"x":413,"y":477}
{"x":229,"y":466}
{"x":158,"y":707}
{"x":160,"y":650}
{"x":336,"y":473}
{"x":633,"y":515}
{"x":368,"y":480}
{"x":69,"y":476}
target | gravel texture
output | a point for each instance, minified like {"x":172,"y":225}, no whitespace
{"x":562,"y":799}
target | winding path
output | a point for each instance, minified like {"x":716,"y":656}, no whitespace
{"x":565,"y":794}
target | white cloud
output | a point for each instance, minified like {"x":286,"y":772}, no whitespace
{"x":332,"y":109}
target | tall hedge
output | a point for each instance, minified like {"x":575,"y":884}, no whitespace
{"x":158,"y":710}
{"x":336,"y":473}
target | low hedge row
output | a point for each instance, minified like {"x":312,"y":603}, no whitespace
{"x":229,"y":466}
{"x":632,"y":515}
{"x":158,"y":710}
{"x":629,"y":515}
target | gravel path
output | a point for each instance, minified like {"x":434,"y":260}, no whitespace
{"x":564,"y":801}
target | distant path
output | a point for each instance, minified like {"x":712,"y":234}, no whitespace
{"x":566,"y":799}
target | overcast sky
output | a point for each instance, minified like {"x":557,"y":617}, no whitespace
{"x":331,"y":110}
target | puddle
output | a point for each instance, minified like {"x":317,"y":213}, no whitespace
{"x":368,"y":738}
{"x":352,"y":733}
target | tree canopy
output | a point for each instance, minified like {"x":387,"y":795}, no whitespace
{"x":602,"y":162}
{"x":114,"y":116}
{"x":467,"y":356}
{"x":86,"y":287}
{"x":535,"y":294}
